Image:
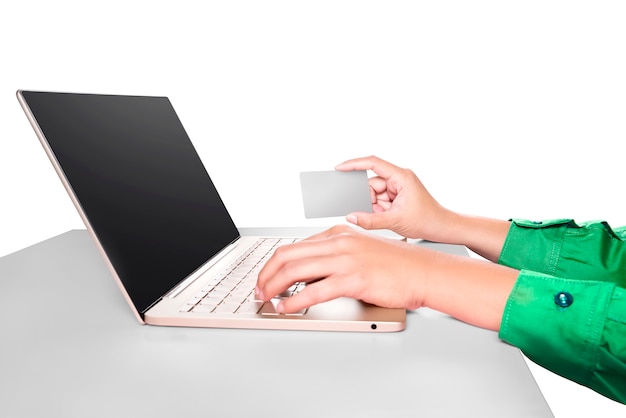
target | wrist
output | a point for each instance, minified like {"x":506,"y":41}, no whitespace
{"x":448,"y":228}
{"x":423,"y":262}
{"x":473,"y":291}
{"x":484,"y":236}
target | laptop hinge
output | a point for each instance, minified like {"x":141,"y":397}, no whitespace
{"x":200,"y":271}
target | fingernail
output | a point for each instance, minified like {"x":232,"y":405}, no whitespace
{"x":352,"y":219}
{"x":279,"y":307}
{"x":258,"y":293}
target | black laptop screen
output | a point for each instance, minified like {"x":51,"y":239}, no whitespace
{"x":140,"y":184}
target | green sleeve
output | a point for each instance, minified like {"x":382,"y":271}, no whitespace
{"x":584,"y":342}
{"x":562,"y":248}
{"x":567,"y":310}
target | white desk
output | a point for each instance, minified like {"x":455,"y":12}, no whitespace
{"x":72,"y":348}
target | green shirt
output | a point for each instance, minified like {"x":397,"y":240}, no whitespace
{"x":567,"y":310}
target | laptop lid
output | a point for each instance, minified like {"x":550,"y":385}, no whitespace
{"x":138,"y":183}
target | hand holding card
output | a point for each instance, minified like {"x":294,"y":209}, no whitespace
{"x":335,"y":193}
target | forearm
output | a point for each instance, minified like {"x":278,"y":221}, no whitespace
{"x":473,"y":291}
{"x":484,"y":236}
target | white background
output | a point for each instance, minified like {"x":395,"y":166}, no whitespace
{"x":504,"y":109}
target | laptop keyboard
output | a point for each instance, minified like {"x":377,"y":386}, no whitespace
{"x":232,"y":291}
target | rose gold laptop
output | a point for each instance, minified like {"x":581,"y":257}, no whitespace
{"x":159,"y":222}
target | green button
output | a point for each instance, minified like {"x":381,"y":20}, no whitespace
{"x":563,"y":299}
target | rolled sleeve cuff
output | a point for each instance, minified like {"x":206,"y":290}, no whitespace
{"x":558,"y":323}
{"x":534,"y":246}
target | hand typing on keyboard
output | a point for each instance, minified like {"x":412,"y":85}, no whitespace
{"x":351,"y":264}
{"x":232,"y":291}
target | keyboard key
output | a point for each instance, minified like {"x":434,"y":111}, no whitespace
{"x":250,"y":307}
{"x":186,"y":308}
{"x":226,"y":307}
{"x":232,"y":290}
{"x":203,"y":308}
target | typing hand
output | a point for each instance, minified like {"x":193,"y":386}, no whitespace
{"x":343,"y":262}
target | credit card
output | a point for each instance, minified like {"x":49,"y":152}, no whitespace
{"x":334,"y":193}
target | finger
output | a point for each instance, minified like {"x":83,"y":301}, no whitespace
{"x":377,"y":165}
{"x":380,"y":219}
{"x":313,"y":294}
{"x":377,"y":184}
{"x":382,"y":206}
{"x":306,"y":270}
{"x":314,"y":246}
{"x":318,"y":245}
{"x":284,"y":255}
{"x":330,"y":232}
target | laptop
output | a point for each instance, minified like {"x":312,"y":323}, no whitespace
{"x":159,"y":222}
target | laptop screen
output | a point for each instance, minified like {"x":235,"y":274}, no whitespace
{"x":140,"y":184}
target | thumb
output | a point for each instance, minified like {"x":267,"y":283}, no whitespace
{"x":369,"y":220}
